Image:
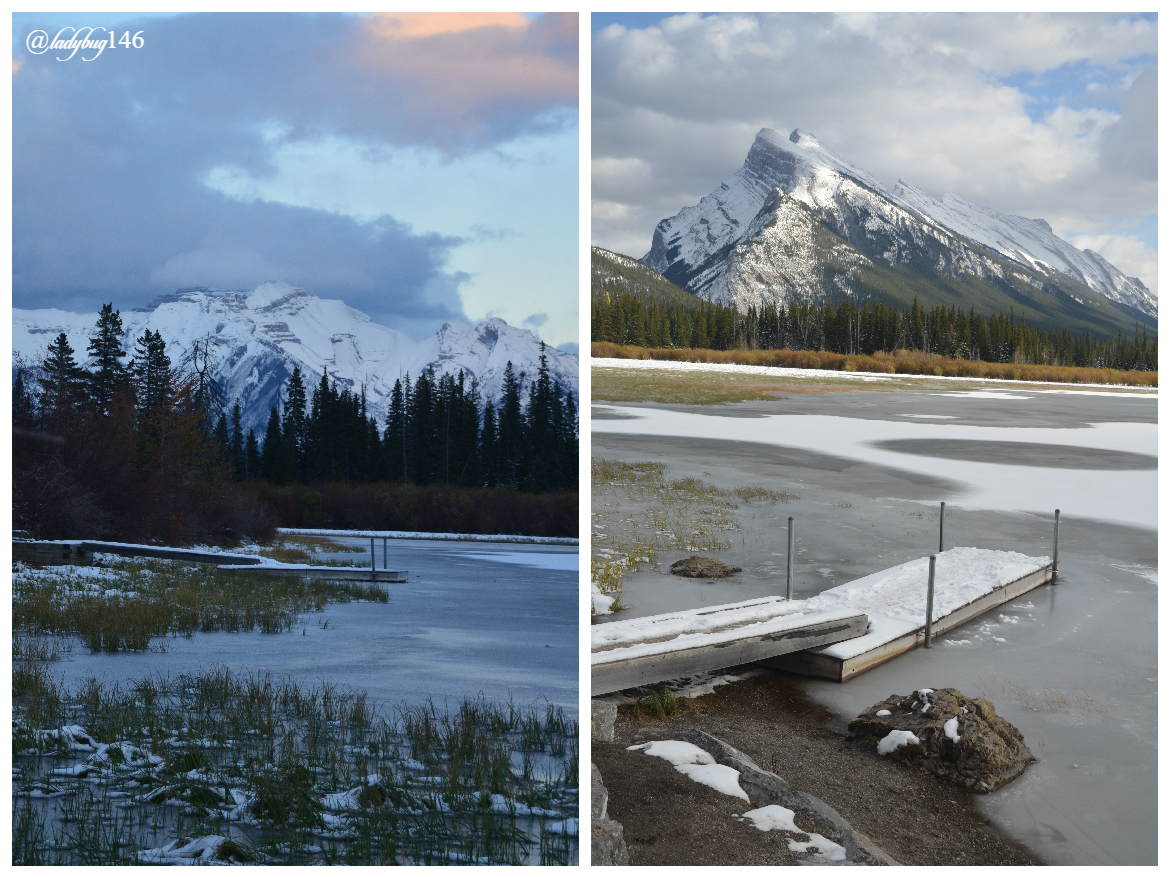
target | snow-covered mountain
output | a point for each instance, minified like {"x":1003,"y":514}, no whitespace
{"x":260,"y":336}
{"x":798,"y":222}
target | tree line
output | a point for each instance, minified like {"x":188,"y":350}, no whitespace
{"x":132,"y":444}
{"x":438,"y":430}
{"x":622,"y":318}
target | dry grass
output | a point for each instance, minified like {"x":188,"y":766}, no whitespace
{"x":1048,"y":699}
{"x":906,"y":362}
{"x":638,"y":512}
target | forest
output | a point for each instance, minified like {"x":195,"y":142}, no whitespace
{"x":624,"y":319}
{"x":133,"y":446}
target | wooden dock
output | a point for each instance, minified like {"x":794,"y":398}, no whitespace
{"x":642,"y":651}
{"x":840,"y":664}
{"x":188,"y":554}
{"x":328,"y":573}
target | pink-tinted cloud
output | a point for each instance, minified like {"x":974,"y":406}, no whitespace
{"x":469,"y":69}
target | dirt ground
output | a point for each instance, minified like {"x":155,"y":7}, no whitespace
{"x":914,"y":817}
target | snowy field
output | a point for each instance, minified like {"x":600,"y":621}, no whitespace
{"x":1073,"y":665}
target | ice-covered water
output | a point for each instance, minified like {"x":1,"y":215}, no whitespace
{"x":473,"y":617}
{"x":1072,"y":665}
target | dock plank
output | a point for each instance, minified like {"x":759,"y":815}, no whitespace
{"x":815,"y":662}
{"x":674,"y":663}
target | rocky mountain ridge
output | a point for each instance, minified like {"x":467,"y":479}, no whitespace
{"x":258,"y":337}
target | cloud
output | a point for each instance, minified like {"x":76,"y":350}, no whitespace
{"x":112,"y":159}
{"x":535,"y":320}
{"x":1132,"y":257}
{"x":676,"y":107}
{"x":449,"y":68}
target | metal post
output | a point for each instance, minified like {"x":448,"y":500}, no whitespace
{"x":941,"y":513}
{"x":373,"y":562}
{"x":1056,"y":544}
{"x":385,"y":563}
{"x":929,"y":600}
{"x":791,"y":543}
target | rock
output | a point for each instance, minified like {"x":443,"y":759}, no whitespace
{"x":702,"y":568}
{"x":602,"y":716}
{"x":765,"y":788}
{"x":607,"y":845}
{"x":988,"y":753}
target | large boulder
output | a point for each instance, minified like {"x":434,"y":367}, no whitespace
{"x":703,"y":568}
{"x":946,"y":732}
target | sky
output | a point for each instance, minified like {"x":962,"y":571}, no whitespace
{"x":419,"y":167}
{"x":1049,"y":116}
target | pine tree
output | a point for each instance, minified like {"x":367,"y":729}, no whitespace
{"x":22,"y":403}
{"x":295,"y":431}
{"x":509,"y":431}
{"x":109,"y":374}
{"x":61,"y":384}
{"x":251,"y":457}
{"x":272,"y":455}
{"x":238,"y":460}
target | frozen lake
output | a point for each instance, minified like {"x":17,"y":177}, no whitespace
{"x":474,"y":617}
{"x":1073,"y":665}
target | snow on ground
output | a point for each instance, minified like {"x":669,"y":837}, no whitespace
{"x":697,"y":764}
{"x":1126,"y":496}
{"x":777,"y":818}
{"x":606,"y":362}
{"x":442,"y":537}
{"x":894,"y":599}
{"x":602,"y":604}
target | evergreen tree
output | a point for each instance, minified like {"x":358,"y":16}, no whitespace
{"x":22,"y":403}
{"x":238,"y":460}
{"x":509,"y":431}
{"x":61,"y":384}
{"x":108,"y":375}
{"x":151,"y":376}
{"x":251,"y":457}
{"x":272,"y":455}
{"x":295,"y":414}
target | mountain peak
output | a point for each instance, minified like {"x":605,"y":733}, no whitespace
{"x":273,"y":293}
{"x":803,"y":138}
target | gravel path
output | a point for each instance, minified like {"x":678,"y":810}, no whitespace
{"x":911,"y":815}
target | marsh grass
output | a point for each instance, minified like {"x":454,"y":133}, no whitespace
{"x":289,"y":773}
{"x":131,"y":603}
{"x":638,"y":512}
{"x":659,"y":702}
{"x":1048,"y":699}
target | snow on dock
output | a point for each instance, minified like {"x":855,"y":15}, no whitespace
{"x":968,"y":582}
{"x":641,"y":651}
{"x":837,"y":634}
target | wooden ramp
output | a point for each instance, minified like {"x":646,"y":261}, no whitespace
{"x":842,"y":663}
{"x":641,"y":651}
{"x":188,"y":554}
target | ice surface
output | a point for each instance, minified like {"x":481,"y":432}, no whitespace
{"x":455,"y":629}
{"x":1125,"y":497}
{"x":541,"y":561}
{"x":896,"y":740}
